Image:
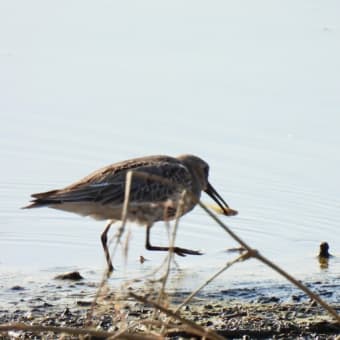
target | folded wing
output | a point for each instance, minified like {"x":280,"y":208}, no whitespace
{"x":155,"y":182}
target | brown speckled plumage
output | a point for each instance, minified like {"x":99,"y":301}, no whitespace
{"x":156,"y":186}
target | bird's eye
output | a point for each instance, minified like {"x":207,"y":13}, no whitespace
{"x":206,"y":171}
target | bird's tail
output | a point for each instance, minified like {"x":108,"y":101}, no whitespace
{"x":41,"y":199}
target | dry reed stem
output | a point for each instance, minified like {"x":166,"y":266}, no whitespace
{"x":183,"y":329}
{"x":126,"y":203}
{"x":179,"y":213}
{"x":118,"y":235}
{"x":170,"y":254}
{"x":171,"y":328}
{"x":158,"y":178}
{"x":128,"y":183}
{"x":250,"y":253}
{"x":297,"y":283}
{"x":190,"y":324}
{"x":121,"y":229}
{"x":126,"y":246}
{"x":70,"y":330}
{"x":254,"y":253}
{"x":242,"y":257}
{"x":155,"y":323}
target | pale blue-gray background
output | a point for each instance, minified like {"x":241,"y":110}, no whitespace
{"x":251,"y":86}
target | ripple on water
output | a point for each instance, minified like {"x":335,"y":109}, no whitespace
{"x":280,"y":213}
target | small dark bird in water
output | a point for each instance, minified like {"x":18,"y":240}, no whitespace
{"x":156,"y":187}
{"x":323,"y":253}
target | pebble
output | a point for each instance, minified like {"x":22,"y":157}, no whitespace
{"x":268,"y":299}
{"x":73,"y":276}
{"x":296,"y":298}
{"x":84,"y":303}
{"x":17,"y":288}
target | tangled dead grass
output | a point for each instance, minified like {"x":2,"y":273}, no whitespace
{"x":165,"y":320}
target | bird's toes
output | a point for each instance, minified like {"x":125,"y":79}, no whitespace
{"x":184,"y":252}
{"x":194,"y":252}
{"x":179,"y":251}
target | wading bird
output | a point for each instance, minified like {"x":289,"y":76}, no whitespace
{"x":156,"y":186}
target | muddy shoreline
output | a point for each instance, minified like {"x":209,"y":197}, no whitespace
{"x":255,"y":312}
{"x":230,"y":320}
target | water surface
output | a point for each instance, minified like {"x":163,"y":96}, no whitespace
{"x":253,"y":90}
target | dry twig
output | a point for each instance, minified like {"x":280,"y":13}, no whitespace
{"x":213,"y":277}
{"x":70,"y":330}
{"x":254,"y":253}
{"x":197,"y":329}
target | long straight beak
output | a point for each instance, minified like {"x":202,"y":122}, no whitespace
{"x":220,"y":201}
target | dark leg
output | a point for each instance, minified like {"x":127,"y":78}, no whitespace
{"x":177,"y":250}
{"x":106,"y":250}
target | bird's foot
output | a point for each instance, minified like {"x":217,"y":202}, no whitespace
{"x":183,"y":252}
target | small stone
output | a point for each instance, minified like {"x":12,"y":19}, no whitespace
{"x":74,"y":276}
{"x":83,"y":303}
{"x":17,"y":288}
{"x":46,"y":304}
{"x":105,"y":322}
{"x":268,"y":299}
{"x":296,"y":298}
{"x":208,"y":306}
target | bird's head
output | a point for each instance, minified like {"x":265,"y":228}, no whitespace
{"x":200,"y":170}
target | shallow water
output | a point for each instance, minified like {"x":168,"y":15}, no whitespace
{"x":254,"y":95}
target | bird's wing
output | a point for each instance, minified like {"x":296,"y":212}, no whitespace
{"x":153,"y":182}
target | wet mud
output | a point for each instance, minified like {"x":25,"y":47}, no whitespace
{"x":268,"y":311}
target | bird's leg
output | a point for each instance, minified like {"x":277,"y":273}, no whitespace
{"x":177,"y":250}
{"x":106,"y":250}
